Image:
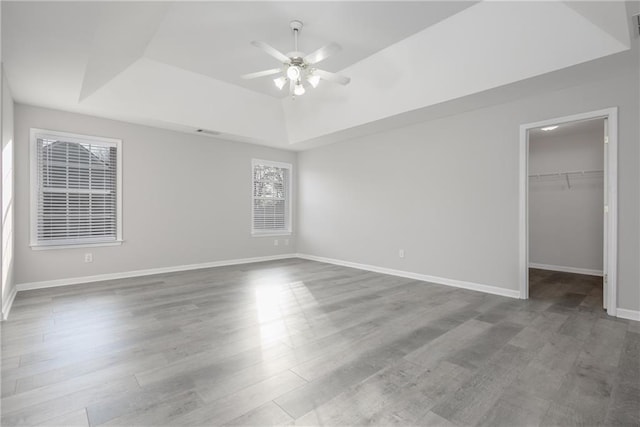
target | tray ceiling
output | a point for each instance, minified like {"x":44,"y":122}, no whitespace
{"x":177,"y":64}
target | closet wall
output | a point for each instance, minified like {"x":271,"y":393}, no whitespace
{"x":566,"y":209}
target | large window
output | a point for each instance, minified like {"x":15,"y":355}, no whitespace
{"x":75,"y":189}
{"x":271,"y":210}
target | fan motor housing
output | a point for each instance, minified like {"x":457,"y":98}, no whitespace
{"x":296,"y":58}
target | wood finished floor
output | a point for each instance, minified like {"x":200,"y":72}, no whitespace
{"x":301,"y":342}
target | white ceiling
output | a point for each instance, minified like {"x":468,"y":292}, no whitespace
{"x":177,"y":64}
{"x":214,"y":38}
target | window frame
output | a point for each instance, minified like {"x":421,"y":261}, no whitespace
{"x":289,"y":199}
{"x":34,"y":134}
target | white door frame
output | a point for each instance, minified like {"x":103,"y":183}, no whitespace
{"x":611,"y":218}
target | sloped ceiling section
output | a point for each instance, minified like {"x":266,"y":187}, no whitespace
{"x":113,"y":51}
{"x":611,"y":19}
{"x":176,"y":65}
{"x":186,"y":100}
{"x":483,"y":47}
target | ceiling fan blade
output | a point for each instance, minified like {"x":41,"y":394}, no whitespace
{"x":272,"y":51}
{"x":261,"y":73}
{"x":322,"y":53}
{"x":332,"y":77}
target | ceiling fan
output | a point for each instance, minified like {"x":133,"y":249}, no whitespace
{"x":297,"y":68}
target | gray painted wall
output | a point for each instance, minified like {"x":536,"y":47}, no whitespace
{"x":186,"y":200}
{"x":446,"y":191}
{"x":566,"y":223}
{"x":7,"y":192}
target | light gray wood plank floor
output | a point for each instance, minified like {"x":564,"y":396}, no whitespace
{"x":306,"y":343}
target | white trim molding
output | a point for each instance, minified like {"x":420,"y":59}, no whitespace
{"x":288,"y":199}
{"x":511,"y":293}
{"x":565,"y":269}
{"x":623,"y":313}
{"x":494,"y":290}
{"x":148,"y":272}
{"x":610,"y":223}
{"x":34,"y":189}
{"x":6,"y":307}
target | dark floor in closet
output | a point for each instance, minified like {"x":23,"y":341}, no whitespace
{"x":570,"y":290}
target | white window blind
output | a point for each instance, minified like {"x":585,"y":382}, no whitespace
{"x":76,"y":193}
{"x":271,"y":197}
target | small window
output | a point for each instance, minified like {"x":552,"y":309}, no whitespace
{"x":271,"y":209}
{"x":75,"y":189}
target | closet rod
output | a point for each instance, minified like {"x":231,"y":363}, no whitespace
{"x":566,"y":175}
{"x":540,"y":175}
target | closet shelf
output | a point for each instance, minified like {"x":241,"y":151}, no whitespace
{"x":567,"y":174}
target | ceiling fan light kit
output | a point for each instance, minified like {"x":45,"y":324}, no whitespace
{"x":280,"y":82}
{"x":297,"y":68}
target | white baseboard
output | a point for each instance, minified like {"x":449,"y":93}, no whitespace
{"x":565,"y":269}
{"x":151,"y":271}
{"x":6,"y":306}
{"x":426,"y":278}
{"x":628,"y":314}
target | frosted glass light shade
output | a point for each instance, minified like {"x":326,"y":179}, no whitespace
{"x":313,"y":81}
{"x":299,"y":89}
{"x":280,"y":82}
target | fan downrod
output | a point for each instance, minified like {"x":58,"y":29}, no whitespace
{"x":296,"y":26}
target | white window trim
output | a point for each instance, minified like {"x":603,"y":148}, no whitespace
{"x":272,"y":233}
{"x":34,"y":133}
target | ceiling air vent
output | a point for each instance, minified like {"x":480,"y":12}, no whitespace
{"x":208,"y":132}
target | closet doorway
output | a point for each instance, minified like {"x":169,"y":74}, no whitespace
{"x":568,"y":220}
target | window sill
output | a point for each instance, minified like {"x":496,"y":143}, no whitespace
{"x":270,"y":233}
{"x":37,"y":247}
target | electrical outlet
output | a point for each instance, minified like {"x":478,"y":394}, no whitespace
{"x":401,"y":253}
{"x":286,"y":242}
{"x":275,"y":242}
{"x":88,"y":257}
